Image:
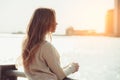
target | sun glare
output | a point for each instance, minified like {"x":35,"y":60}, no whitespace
{"x":87,"y":17}
{"x":76,"y":13}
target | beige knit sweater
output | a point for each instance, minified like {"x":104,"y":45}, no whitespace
{"x":46,"y":65}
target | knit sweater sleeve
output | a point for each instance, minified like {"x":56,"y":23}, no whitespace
{"x":51,"y":57}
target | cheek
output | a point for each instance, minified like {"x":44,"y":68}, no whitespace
{"x":53,"y":28}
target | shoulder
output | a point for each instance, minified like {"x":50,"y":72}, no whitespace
{"x":49,"y":51}
{"x":47,"y":45}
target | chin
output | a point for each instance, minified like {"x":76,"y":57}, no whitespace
{"x":53,"y":31}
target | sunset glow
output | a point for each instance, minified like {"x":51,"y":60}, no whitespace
{"x":89,"y":14}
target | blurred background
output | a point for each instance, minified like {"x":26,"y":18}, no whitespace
{"x":82,"y":14}
{"x":84,"y":34}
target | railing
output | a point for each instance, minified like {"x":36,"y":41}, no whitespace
{"x":9,"y":72}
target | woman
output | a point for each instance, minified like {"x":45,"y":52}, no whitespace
{"x":40,"y":58}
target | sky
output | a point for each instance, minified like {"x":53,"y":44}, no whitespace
{"x":88,"y":14}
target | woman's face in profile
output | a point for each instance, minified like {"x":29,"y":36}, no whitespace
{"x":53,"y":26}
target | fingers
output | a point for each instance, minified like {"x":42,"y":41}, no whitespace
{"x":76,"y":66}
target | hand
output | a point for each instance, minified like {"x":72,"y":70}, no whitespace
{"x":75,"y":67}
{"x":71,"y":68}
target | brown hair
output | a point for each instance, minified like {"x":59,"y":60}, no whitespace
{"x":41,"y":23}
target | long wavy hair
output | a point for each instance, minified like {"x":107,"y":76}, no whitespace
{"x":42,"y":23}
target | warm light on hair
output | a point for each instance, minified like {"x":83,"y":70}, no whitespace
{"x":40,"y":24}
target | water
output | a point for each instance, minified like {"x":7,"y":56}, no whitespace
{"x":98,"y":57}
